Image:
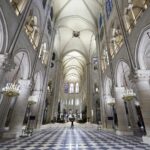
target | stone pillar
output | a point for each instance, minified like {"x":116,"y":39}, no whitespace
{"x":19,"y":110}
{"x":132,"y":116}
{"x":89,"y":92}
{"x":56,"y":89}
{"x":3,"y":58}
{"x":101,"y":83}
{"x":34,"y":107}
{"x":49,"y":111}
{"x":74,"y":103}
{"x":4,"y":109}
{"x":5,"y":101}
{"x":143,"y":90}
{"x":121,"y":113}
{"x":109,"y":113}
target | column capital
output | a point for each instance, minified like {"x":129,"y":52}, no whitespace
{"x":142,"y":74}
{"x":3,"y":58}
{"x":119,"y":88}
{"x":24,"y":83}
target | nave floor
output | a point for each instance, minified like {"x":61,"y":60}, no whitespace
{"x":81,"y":137}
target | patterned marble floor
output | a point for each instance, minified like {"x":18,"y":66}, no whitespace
{"x":81,"y":137}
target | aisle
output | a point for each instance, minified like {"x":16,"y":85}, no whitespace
{"x":81,"y":137}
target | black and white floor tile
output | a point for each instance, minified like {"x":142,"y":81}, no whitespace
{"x":81,"y":137}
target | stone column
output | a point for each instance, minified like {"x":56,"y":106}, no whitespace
{"x":49,"y":111}
{"x":5,"y":101}
{"x":4,"y":109}
{"x":34,"y":107}
{"x":132,"y":116}
{"x":56,"y":88}
{"x":19,"y":110}
{"x":109,"y":113}
{"x":74,"y":103}
{"x":121,"y":113}
{"x":101,"y":83}
{"x":3,"y":58}
{"x":89,"y":92}
{"x":143,"y":90}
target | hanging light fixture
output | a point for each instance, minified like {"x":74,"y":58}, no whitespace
{"x":128,"y":94}
{"x":13,"y":89}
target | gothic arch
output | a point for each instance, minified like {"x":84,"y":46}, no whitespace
{"x":3,"y":33}
{"x":142,"y":51}
{"x":122,"y":74}
{"x":107,"y":86}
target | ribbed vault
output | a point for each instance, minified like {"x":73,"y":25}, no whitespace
{"x":76,"y":25}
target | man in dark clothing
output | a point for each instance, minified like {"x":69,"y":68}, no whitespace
{"x":72,"y":123}
{"x":72,"y":120}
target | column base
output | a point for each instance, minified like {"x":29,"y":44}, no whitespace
{"x":146,"y":139}
{"x":11,"y":134}
{"x":108,"y":129}
{"x":124,"y":132}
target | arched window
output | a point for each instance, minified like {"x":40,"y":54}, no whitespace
{"x":133,"y":11}
{"x":104,"y":59}
{"x":109,"y":6}
{"x":44,"y":3}
{"x":95,"y":63}
{"x":71,"y":88}
{"x":77,"y":87}
{"x":69,"y":102}
{"x":18,"y":5}
{"x":77,"y":102}
{"x":32,"y":29}
{"x":43,"y":54}
{"x":66,"y":87}
{"x":100,"y":21}
{"x":96,"y":88}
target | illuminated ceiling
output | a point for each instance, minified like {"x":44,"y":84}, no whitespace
{"x":76,"y":27}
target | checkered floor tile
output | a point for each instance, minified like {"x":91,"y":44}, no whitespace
{"x":81,"y":137}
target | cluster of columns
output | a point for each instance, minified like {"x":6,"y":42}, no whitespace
{"x":127,"y":120}
{"x":56,"y":89}
{"x":143,"y":90}
{"x":21,"y":101}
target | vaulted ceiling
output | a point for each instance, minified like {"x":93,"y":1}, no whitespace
{"x":76,"y":23}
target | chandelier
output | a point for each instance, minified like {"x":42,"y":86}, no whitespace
{"x":111,"y":101}
{"x":11,"y":89}
{"x":128,"y":94}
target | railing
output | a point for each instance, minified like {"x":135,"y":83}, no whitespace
{"x":15,"y":6}
{"x":138,"y":16}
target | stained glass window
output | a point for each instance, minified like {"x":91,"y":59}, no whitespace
{"x":66,"y":88}
{"x":109,"y":6}
{"x":77,"y":87}
{"x":71,"y":88}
